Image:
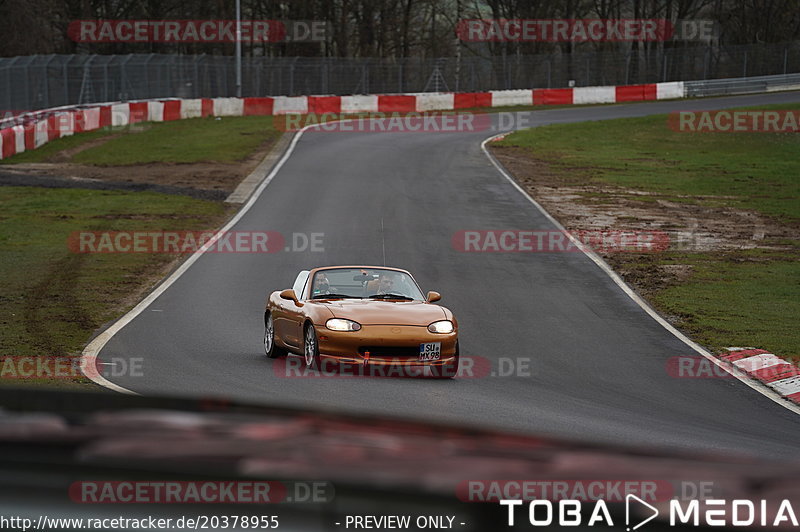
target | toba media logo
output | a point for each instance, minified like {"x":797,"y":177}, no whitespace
{"x":709,"y":512}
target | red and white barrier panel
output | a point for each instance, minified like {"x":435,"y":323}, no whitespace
{"x":775,"y":372}
{"x":30,"y":131}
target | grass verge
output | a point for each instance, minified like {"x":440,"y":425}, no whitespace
{"x":53,"y":299}
{"x":223,"y":140}
{"x":730,"y":297}
{"x":754,"y":171}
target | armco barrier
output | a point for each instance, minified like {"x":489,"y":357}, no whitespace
{"x":670,"y":90}
{"x":228,"y":107}
{"x":257,"y":106}
{"x":434,"y":101}
{"x":466,"y":100}
{"x":27,"y":132}
{"x":324,"y":104}
{"x":636,"y":93}
{"x":553,"y":97}
{"x":583,"y":95}
{"x":285,"y":105}
{"x":509,"y":98}
{"x":750,"y":85}
{"x":397,"y":103}
{"x":360,"y":104}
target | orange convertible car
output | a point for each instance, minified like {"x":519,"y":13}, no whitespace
{"x":362,"y":315}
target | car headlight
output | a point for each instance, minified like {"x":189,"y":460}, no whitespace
{"x":441,"y":327}
{"x":338,"y":324}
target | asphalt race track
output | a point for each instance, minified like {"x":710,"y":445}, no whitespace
{"x":598,"y":360}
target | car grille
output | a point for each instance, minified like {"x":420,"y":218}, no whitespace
{"x":382,"y":351}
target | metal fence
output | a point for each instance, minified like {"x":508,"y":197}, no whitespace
{"x":722,"y":87}
{"x":38,"y":82}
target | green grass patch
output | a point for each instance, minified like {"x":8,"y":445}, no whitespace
{"x":753,"y":171}
{"x":740,"y":299}
{"x":53,"y":299}
{"x":51,"y":149}
{"x":223,"y":140}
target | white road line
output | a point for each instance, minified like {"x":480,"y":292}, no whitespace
{"x":764,"y":390}
{"x":91,"y":351}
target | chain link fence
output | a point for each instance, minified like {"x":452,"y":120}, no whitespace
{"x":38,"y":82}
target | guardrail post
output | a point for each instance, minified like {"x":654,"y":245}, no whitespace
{"x":256,"y":88}
{"x":627,"y":67}
{"x":105,"y":82}
{"x":744,"y":74}
{"x":291,"y":76}
{"x":65,"y":79}
{"x":9,"y":105}
{"x":148,"y":94}
{"x":587,"y":81}
{"x":196,"y":72}
{"x":400,"y":75}
{"x":46,"y":79}
{"x":123,"y":69}
{"x":28,"y":103}
{"x":785,"y":59}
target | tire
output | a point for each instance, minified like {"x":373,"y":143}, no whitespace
{"x":311,"y":347}
{"x":271,"y":350}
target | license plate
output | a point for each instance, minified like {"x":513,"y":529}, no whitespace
{"x":430,"y":351}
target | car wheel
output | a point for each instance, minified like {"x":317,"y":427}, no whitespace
{"x":311,"y":348}
{"x":270,"y":348}
{"x":449,"y":370}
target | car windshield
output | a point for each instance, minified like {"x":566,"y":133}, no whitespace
{"x":364,"y":283}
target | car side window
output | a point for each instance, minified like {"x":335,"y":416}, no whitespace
{"x":300,"y":283}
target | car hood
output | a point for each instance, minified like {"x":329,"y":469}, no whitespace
{"x":370,"y":312}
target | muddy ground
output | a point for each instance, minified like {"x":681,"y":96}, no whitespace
{"x":207,"y":180}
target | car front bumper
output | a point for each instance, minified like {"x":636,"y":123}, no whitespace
{"x":384,"y":345}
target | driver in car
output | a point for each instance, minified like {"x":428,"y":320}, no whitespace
{"x":322,"y":285}
{"x":386,"y":284}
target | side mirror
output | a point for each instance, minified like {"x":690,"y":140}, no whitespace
{"x":289,"y":295}
{"x":434,"y":296}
